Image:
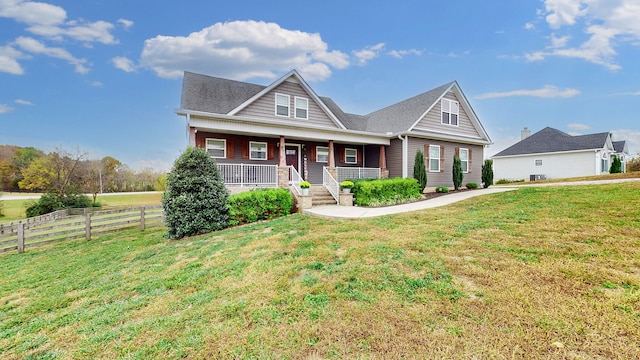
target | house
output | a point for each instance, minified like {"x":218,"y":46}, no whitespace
{"x":551,"y":153}
{"x":279,"y":134}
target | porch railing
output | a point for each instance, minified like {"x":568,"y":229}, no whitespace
{"x":345,"y":173}
{"x":295,"y":179}
{"x":331,"y":184}
{"x":249,"y":174}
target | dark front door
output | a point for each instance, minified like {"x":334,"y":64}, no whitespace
{"x":292,"y":153}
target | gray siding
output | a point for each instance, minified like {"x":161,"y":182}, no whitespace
{"x":394,"y":158}
{"x":264,"y":107}
{"x":432,"y":121}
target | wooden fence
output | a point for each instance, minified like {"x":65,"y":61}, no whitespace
{"x":74,"y":224}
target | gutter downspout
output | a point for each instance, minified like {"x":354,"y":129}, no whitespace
{"x":405,"y":152}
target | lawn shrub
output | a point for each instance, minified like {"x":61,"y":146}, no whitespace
{"x":487,"y":173}
{"x":385,"y":191}
{"x":471,"y":185}
{"x":507,"y":181}
{"x":51,"y":202}
{"x":442,"y":189}
{"x":259,"y":204}
{"x":196,"y":200}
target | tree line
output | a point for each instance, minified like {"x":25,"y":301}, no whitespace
{"x":71,"y":172}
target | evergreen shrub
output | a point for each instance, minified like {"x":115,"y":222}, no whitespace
{"x":259,"y":204}
{"x":386,"y":191}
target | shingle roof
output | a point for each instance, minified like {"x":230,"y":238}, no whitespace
{"x":214,"y":95}
{"x":550,"y":140}
{"x":619,"y":146}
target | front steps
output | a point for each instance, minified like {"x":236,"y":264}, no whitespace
{"x":321,"y":196}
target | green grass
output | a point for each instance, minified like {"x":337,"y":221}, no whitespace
{"x":533,"y":273}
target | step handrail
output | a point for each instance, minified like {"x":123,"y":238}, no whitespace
{"x":331,"y":184}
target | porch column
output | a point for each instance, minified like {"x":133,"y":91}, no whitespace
{"x":382,"y":163}
{"x":283,"y":169}
{"x":192,"y":136}
{"x":332,"y":160}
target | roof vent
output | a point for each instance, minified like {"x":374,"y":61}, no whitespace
{"x":525,"y":133}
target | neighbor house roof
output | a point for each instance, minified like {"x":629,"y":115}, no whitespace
{"x":549,"y":140}
{"x":620,"y":146}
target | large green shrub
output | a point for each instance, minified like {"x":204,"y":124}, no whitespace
{"x":1,"y":206}
{"x":386,"y":191}
{"x":260,"y":204}
{"x":51,"y":202}
{"x":616,"y":166}
{"x":196,"y":200}
{"x":487,"y":173}
{"x":458,"y":176}
{"x":420,"y":170}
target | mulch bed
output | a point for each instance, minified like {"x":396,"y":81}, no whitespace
{"x":428,"y":196}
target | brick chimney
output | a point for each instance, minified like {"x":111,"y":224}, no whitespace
{"x":525,"y":133}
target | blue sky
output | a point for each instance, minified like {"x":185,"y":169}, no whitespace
{"x":105,"y":75}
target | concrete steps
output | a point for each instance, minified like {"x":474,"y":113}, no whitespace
{"x":321,"y":196}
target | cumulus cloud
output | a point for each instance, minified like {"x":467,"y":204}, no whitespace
{"x":123,"y":63}
{"x":242,"y":50}
{"x":23,"y":102}
{"x":548,"y":91}
{"x":32,"y":13}
{"x":368,"y":53}
{"x":578,"y":127}
{"x":529,"y":26}
{"x":4,"y":108}
{"x":607,"y":24}
{"x":125,"y":23}
{"x":34,"y":46}
{"x":9,"y":60}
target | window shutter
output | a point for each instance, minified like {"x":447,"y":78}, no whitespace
{"x":342,"y":155}
{"x":245,"y":149}
{"x":313,"y":153}
{"x":271,"y":151}
{"x":230,"y":154}
{"x":469,"y":162}
{"x":426,"y":154}
{"x":441,"y":158}
{"x":458,"y":152}
{"x":359,"y":156}
{"x":201,"y":142}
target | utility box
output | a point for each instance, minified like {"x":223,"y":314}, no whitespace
{"x":537,"y":177}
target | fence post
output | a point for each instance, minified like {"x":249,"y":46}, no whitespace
{"x":20,"y":237}
{"x":142,"y":218}
{"x":87,"y":225}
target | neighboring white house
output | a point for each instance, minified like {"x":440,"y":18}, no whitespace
{"x":551,"y":153}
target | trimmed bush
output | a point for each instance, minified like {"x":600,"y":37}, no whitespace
{"x":51,"y":202}
{"x":442,"y":189}
{"x":616,"y":166}
{"x":196,"y":200}
{"x":458,"y":176}
{"x":471,"y":185}
{"x":259,"y":204}
{"x":386,"y":191}
{"x":507,"y":181}
{"x":420,"y":170}
{"x":487,"y":173}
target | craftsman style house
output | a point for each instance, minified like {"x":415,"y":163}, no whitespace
{"x":280,"y":134}
{"x":551,"y":153}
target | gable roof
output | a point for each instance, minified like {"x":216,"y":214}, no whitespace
{"x":620,"y":146}
{"x":549,"y":140}
{"x":199,"y":92}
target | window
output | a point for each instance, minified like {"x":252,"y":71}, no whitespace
{"x":434,"y":158}
{"x":351,"y":156}
{"x":282,"y":105}
{"x":450,"y":110}
{"x":257,"y":150}
{"x":604,"y":165}
{"x":464,"y":159}
{"x":302,"y":107}
{"x":538,"y":162}
{"x":322,"y":154}
{"x":217,"y":148}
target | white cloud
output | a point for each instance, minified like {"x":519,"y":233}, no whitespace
{"x":31,"y":12}
{"x":23,"y":102}
{"x":363,"y":56}
{"x":608,"y":25}
{"x":242,"y":50}
{"x":124,"y":64}
{"x":548,"y":91}
{"x":578,"y":127}
{"x":4,"y":108}
{"x":96,"y":83}
{"x":529,"y":26}
{"x":33,"y":46}
{"x":9,"y":60}
{"x":399,"y":54}
{"x":99,"y":31}
{"x":632,"y":93}
{"x":125,"y":23}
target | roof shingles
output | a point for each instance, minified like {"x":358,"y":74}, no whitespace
{"x":549,"y":140}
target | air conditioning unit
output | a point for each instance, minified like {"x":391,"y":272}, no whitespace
{"x":537,"y":177}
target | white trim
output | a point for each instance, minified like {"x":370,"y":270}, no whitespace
{"x":430,"y":158}
{"x":542,"y":154}
{"x":295,"y":107}
{"x":405,"y":155}
{"x":355,"y":161}
{"x":288,"y":105}
{"x":266,"y":150}
{"x":224,"y":147}
{"x":467,"y":161}
{"x":450,"y":103}
{"x":317,"y":152}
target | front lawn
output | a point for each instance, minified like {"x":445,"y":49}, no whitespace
{"x":533,"y":273}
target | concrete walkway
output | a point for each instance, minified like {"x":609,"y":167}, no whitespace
{"x":356,"y":212}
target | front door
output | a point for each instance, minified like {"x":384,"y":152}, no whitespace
{"x":292,"y":153}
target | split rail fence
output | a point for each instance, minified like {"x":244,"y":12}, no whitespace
{"x":74,"y":224}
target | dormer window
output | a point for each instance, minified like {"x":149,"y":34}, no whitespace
{"x":302,"y":108}
{"x":282,"y":105}
{"x":450,"y":111}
